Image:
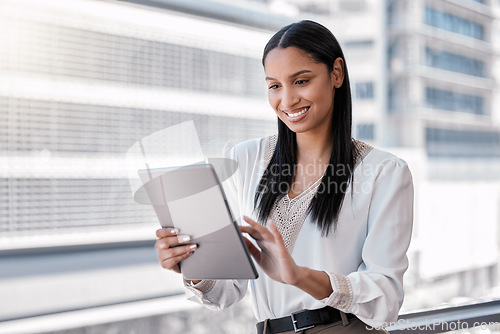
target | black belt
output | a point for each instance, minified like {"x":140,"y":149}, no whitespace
{"x":302,"y":320}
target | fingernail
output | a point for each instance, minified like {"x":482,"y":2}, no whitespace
{"x":193,"y":246}
{"x":174,"y":231}
{"x":184,"y":238}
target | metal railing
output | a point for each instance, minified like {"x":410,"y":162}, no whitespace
{"x":481,"y":316}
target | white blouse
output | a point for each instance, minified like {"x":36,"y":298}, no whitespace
{"x":365,"y":257}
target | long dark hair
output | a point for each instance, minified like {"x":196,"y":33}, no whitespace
{"x":320,"y":44}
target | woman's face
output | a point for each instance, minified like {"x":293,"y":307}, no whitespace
{"x":300,"y":90}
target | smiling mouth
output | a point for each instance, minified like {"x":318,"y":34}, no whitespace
{"x":298,"y":113}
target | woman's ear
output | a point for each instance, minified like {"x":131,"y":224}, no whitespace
{"x":338,"y":72}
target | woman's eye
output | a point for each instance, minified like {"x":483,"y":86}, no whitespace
{"x":301,"y":82}
{"x":273,"y":86}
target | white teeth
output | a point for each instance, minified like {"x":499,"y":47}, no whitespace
{"x":298,"y":113}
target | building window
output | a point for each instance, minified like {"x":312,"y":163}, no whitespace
{"x":462,"y":143}
{"x":453,"y":62}
{"x":364,"y":90}
{"x":456,"y":24}
{"x":365,"y":131}
{"x":359,"y":44}
{"x":448,"y":100}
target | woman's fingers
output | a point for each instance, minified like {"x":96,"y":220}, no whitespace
{"x":261,"y":233}
{"x":251,"y":231}
{"x":252,"y":222}
{"x":254,"y":251}
{"x":170,"y":252}
{"x":276,"y":232}
{"x":168,"y":236}
{"x":170,"y":257}
{"x":256,"y":230}
{"x":173,"y":263}
{"x":166,"y":232}
{"x":176,"y":251}
{"x":167,"y":242}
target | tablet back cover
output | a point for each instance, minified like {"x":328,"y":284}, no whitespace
{"x":191,"y":199}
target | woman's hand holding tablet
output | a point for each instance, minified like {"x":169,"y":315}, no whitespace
{"x":172,"y":248}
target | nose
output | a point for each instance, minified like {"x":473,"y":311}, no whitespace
{"x":289,"y":98}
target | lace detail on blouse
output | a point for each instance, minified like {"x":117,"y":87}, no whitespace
{"x":342,"y":292}
{"x":363,"y":150}
{"x":200,"y":289}
{"x":289,"y":214}
{"x":270,"y":146}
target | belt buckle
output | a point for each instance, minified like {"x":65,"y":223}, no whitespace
{"x":294,"y":323}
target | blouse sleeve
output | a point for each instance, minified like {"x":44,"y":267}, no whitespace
{"x":374,"y":293}
{"x":216,"y":294}
{"x":220,"y":294}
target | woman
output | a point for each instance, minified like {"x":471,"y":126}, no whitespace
{"x":339,"y":211}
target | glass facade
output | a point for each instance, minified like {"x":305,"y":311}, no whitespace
{"x":449,"y":100}
{"x":453,"y":23}
{"x":462,"y":143}
{"x":359,"y":44}
{"x":365,"y":131}
{"x":364,"y":90}
{"x":441,"y":98}
{"x":449,"y":61}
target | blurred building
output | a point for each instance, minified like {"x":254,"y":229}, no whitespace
{"x":81,"y":81}
{"x":423,"y":76}
{"x":441,"y":91}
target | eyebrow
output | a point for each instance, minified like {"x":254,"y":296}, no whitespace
{"x":293,"y":75}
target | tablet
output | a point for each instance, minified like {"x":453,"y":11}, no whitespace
{"x":192,"y":199}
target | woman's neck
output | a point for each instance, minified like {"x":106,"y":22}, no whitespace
{"x":313,"y":148}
